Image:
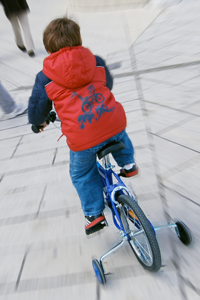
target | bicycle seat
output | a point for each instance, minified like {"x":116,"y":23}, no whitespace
{"x":113,"y":146}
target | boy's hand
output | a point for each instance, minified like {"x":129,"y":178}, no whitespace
{"x":43,"y":126}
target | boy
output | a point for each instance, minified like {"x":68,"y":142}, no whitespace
{"x":79,"y":84}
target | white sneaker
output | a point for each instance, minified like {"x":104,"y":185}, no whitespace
{"x":20,"y":109}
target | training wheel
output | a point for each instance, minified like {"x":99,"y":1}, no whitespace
{"x":99,"y":272}
{"x":183,"y":233}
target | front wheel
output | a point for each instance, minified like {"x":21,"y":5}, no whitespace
{"x":142,"y":239}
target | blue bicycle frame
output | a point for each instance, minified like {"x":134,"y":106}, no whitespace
{"x":111,"y":190}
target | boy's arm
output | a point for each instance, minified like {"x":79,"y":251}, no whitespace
{"x":109,"y":79}
{"x":39,"y":104}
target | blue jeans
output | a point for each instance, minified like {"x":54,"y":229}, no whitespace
{"x":85,"y":176}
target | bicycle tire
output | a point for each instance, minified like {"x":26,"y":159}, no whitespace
{"x":183,"y":233}
{"x":99,"y":272}
{"x":135,"y":221}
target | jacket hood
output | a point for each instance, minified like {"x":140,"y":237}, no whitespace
{"x":70,"y":67}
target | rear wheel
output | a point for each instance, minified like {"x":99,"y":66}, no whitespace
{"x":142,"y":239}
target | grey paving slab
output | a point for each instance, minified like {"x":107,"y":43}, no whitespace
{"x":173,"y":77}
{"x":8,"y":147}
{"x":26,"y":163}
{"x":179,"y":159}
{"x":131,"y":106}
{"x":35,"y":143}
{"x":163,"y":120}
{"x":191,"y":193}
{"x":189,"y":134}
{"x":135,"y":123}
{"x":20,"y":205}
{"x":16,"y":122}
{"x":51,"y":175}
{"x":175,"y":37}
{"x":175,"y":97}
{"x":122,"y":87}
{"x":194,"y":108}
{"x":60,"y":196}
{"x":127,"y":96}
{"x":50,"y":292}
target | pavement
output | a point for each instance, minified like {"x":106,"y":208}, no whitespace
{"x":154,"y":56}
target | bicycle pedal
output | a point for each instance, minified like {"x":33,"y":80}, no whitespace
{"x":95,"y":228}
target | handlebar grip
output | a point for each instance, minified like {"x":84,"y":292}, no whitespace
{"x":51,"y":118}
{"x":36,"y":128}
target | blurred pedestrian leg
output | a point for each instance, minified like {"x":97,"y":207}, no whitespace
{"x":10,"y":108}
{"x":17,"y":13}
{"x":7,"y":103}
{"x":16,"y":21}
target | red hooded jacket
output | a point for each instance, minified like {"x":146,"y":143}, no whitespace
{"x":87,"y":109}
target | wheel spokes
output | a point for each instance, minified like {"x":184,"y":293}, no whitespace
{"x":140,"y":244}
{"x":143,"y":252}
{"x":148,"y":256}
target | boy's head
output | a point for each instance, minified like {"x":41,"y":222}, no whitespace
{"x":60,"y":33}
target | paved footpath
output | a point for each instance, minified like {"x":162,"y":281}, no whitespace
{"x":154,"y":56}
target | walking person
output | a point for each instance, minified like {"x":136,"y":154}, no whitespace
{"x":17,"y":13}
{"x":10,"y":108}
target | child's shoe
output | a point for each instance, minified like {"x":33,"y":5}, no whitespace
{"x":94,"y":223}
{"x":128,"y":172}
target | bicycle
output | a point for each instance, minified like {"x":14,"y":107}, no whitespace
{"x":130,"y":220}
{"x":128,"y":217}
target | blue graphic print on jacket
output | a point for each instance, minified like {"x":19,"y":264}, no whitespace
{"x":88,"y":103}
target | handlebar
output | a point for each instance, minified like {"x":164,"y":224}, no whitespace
{"x":51,"y":118}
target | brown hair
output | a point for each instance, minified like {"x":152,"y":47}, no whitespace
{"x":60,"y":33}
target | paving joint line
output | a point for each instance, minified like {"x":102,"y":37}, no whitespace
{"x":2,"y":178}
{"x":191,"y":104}
{"x":15,"y":69}
{"x":16,"y":147}
{"x":43,"y":194}
{"x":55,"y":154}
{"x":26,"y":134}
{"x":176,"y":125}
{"x":13,"y":127}
{"x":183,"y":196}
{"x":43,"y":167}
{"x":133,"y":110}
{"x":65,"y":280}
{"x":21,"y":269}
{"x":186,"y":80}
{"x":42,"y":215}
{"x":191,"y":285}
{"x":37,"y":152}
{"x":157,"y":81}
{"x":157,"y":69}
{"x":125,"y":92}
{"x":27,"y":87}
{"x":161,"y":137}
{"x":172,"y":108}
